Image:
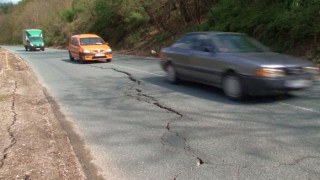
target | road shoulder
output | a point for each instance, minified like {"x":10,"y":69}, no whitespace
{"x":33,"y":144}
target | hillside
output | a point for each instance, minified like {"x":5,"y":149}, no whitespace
{"x":137,"y":26}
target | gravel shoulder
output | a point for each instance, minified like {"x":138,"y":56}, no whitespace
{"x":33,"y":144}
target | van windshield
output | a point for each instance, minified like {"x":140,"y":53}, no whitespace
{"x":35,"y":39}
{"x":90,"y":41}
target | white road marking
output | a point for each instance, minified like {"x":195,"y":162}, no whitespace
{"x":299,"y":107}
{"x":139,"y":70}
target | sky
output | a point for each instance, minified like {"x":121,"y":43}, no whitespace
{"x":9,"y":1}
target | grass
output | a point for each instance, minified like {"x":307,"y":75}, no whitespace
{"x":160,"y":37}
{"x":4,"y":97}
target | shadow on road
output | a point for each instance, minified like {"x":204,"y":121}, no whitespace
{"x":199,"y":90}
{"x":76,"y":61}
{"x":131,"y":129}
{"x":212,"y":93}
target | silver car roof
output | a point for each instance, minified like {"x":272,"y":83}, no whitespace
{"x":213,"y":32}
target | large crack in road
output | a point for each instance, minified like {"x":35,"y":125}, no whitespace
{"x":9,"y":130}
{"x":297,"y":161}
{"x":135,"y":92}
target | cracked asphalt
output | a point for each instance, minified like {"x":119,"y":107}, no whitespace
{"x":138,"y":126}
{"x":33,"y":144}
{"x":12,"y":139}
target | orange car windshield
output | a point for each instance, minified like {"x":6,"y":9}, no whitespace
{"x":90,"y":41}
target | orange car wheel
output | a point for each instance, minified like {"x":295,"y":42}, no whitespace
{"x":70,"y":57}
{"x":80,"y":59}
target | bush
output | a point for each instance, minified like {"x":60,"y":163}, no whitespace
{"x":134,"y":39}
{"x":278,"y":23}
{"x":135,"y":19}
{"x":161,"y":37}
{"x":67,"y":15}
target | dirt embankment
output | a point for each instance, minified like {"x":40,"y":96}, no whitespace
{"x":33,"y":144}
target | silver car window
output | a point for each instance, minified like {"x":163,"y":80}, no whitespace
{"x":203,"y":42}
{"x":186,"y":42}
{"x":231,"y":43}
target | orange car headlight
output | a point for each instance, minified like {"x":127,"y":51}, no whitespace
{"x":86,"y":51}
{"x":109,"y":51}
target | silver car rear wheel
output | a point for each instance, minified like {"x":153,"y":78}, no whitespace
{"x":171,"y":74}
{"x":232,"y":87}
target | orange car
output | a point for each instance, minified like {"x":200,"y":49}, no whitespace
{"x":89,"y":47}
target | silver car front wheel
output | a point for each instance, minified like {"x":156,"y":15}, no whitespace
{"x":171,"y":74}
{"x":232,"y":87}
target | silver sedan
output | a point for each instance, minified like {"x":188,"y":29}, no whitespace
{"x":235,"y":62}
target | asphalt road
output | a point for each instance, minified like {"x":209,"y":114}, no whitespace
{"x":138,"y":126}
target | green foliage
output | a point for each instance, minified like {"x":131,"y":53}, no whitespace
{"x":130,"y":23}
{"x":6,"y":8}
{"x":67,"y":15}
{"x":160,"y":37}
{"x":135,"y":19}
{"x":104,"y":17}
{"x":134,"y":39}
{"x":317,"y":60}
{"x":279,"y":23}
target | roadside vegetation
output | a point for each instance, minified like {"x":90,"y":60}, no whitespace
{"x":137,"y":26}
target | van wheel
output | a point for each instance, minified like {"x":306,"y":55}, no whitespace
{"x":232,"y":87}
{"x":26,"y":47}
{"x":171,"y":74}
{"x":80,"y":59}
{"x":42,"y":49}
{"x":70,"y":57}
{"x":108,"y":60}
